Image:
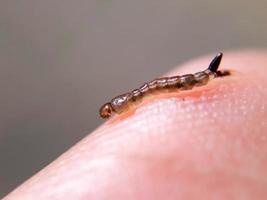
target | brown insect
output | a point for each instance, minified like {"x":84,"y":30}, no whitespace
{"x":123,"y":102}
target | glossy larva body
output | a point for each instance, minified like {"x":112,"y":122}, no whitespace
{"x":123,"y":102}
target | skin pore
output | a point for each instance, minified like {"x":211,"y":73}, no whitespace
{"x":206,"y":143}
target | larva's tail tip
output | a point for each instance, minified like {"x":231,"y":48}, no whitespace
{"x":219,"y":54}
{"x":214,"y":65}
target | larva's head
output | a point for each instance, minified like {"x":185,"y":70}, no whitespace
{"x":106,"y":110}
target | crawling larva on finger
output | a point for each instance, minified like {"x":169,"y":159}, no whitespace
{"x":124,"y":102}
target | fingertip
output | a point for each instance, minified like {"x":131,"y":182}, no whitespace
{"x":207,"y":138}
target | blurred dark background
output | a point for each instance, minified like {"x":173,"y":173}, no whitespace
{"x":61,"y":59}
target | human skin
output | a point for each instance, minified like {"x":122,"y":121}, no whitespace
{"x":206,"y":143}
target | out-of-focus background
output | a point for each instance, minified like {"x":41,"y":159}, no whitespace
{"x":61,"y":59}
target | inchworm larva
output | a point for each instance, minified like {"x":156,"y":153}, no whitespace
{"x":123,"y":102}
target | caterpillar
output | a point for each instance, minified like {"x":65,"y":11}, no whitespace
{"x":123,"y":102}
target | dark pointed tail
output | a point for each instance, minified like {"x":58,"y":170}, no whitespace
{"x":214,"y":65}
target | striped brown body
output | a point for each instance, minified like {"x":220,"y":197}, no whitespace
{"x":123,"y":102}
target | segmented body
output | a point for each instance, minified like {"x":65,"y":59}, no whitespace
{"x":123,"y":102}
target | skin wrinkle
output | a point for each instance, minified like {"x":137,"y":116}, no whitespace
{"x":184,"y":145}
